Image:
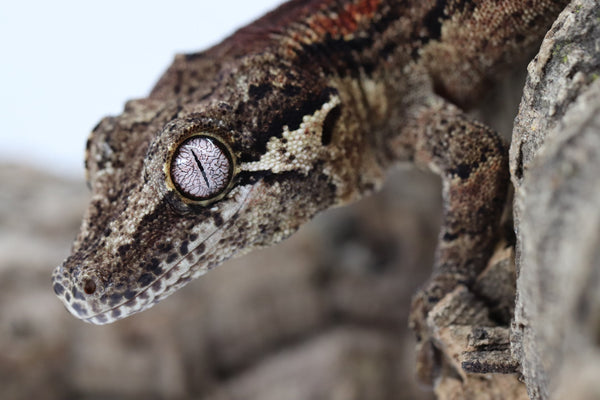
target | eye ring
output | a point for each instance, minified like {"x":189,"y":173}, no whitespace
{"x":201,"y":169}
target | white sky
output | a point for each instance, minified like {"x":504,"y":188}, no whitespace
{"x":66,"y":64}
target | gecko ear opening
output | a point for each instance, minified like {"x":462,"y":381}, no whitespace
{"x":201,"y":169}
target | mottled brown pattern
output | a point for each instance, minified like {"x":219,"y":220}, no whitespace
{"x":314,"y":102}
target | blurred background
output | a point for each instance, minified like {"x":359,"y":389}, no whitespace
{"x":321,"y":316}
{"x":66,"y":64}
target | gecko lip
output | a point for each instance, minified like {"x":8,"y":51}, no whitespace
{"x":136,"y":301}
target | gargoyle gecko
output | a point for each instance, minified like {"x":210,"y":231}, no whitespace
{"x":237,"y":146}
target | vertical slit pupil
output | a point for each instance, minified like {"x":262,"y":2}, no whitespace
{"x":201,"y":168}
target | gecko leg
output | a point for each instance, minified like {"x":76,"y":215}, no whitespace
{"x":472,"y":162}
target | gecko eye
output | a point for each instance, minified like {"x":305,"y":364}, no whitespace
{"x":201,"y":168}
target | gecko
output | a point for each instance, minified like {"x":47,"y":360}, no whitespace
{"x":306,"y":108}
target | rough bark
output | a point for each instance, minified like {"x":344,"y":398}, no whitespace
{"x":555,"y":167}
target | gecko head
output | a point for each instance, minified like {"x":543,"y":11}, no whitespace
{"x":175,"y":197}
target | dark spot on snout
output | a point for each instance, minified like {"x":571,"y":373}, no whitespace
{"x":115,"y":299}
{"x":200,"y":248}
{"x":183,"y":249}
{"x":171,"y":258}
{"x":129,"y":294}
{"x":77,"y":294}
{"x":154,"y":266}
{"x":78,"y":309}
{"x":58,"y":289}
{"x":145,"y":279}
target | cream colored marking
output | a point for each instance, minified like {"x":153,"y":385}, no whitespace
{"x":301,"y":143}
{"x":376,"y":98}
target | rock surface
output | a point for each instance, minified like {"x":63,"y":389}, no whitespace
{"x":555,"y":167}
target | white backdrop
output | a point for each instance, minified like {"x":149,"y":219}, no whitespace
{"x":66,"y":64}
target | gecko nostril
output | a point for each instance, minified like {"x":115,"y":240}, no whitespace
{"x":89,"y":286}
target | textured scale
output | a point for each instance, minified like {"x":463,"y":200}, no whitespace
{"x":239,"y":145}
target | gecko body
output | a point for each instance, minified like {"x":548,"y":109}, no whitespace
{"x":306,"y":108}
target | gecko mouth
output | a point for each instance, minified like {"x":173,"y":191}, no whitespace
{"x":179,"y":274}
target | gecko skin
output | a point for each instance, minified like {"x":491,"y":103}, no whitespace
{"x":239,"y":145}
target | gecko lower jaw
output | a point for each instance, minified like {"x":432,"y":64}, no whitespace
{"x":140,"y":302}
{"x":180,"y":273}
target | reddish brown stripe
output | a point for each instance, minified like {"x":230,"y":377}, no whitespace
{"x":346,"y":21}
